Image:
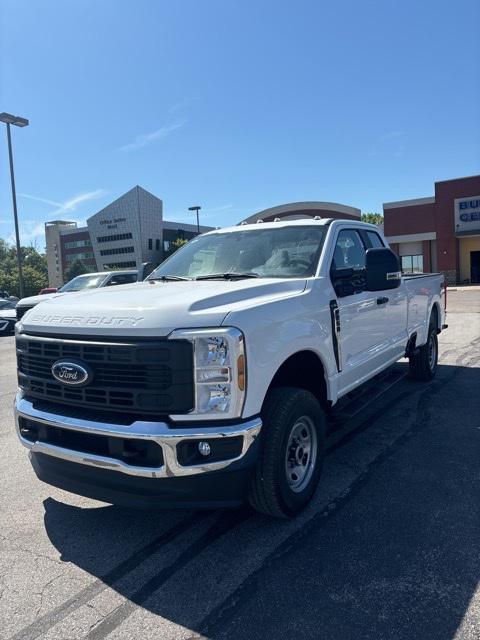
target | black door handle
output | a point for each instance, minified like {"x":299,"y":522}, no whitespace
{"x":382,"y":300}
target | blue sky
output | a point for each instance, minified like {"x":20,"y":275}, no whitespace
{"x":235,"y":105}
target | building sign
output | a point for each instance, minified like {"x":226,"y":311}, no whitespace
{"x":113,"y":224}
{"x":467,"y":215}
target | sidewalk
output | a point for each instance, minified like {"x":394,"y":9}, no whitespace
{"x":465,"y":287}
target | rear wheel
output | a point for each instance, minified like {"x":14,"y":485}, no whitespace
{"x":423,"y":363}
{"x":291,"y":455}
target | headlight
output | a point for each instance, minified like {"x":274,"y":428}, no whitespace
{"x":219,"y":372}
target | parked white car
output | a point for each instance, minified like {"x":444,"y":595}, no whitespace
{"x":80,"y":283}
{"x":209,"y":384}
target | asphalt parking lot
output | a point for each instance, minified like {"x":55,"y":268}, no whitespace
{"x":389,"y":548}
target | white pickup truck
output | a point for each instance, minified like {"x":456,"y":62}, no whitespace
{"x":209,"y":383}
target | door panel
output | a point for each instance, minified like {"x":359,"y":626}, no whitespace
{"x":362,"y":336}
{"x":371,"y":322}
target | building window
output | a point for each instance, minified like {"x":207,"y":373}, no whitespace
{"x":74,"y":244}
{"x":120,"y":265}
{"x":118,"y":236}
{"x":79,"y":256}
{"x":412,"y":264}
{"x":157,"y":244}
{"x":166,"y":245}
{"x":113,"y":252}
{"x":150,"y":244}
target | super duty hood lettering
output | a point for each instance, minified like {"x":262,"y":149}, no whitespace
{"x":89,"y":321}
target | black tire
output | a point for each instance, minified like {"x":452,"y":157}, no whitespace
{"x":423,"y":363}
{"x":285,"y":410}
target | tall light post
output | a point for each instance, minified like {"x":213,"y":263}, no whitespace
{"x":197,"y":209}
{"x":8,"y":119}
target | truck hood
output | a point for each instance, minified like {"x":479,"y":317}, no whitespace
{"x":154,"y":308}
{"x":33,"y":300}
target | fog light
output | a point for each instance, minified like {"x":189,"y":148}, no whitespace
{"x":204,"y":448}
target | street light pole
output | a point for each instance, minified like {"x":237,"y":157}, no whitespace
{"x":15,"y":213}
{"x":197,"y":209}
{"x":8,"y":119}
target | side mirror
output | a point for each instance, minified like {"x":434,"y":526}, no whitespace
{"x":382,"y":269}
{"x":145,"y":270}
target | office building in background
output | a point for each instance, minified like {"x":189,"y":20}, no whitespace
{"x":123,"y":235}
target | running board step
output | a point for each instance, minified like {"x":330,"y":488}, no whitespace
{"x":356,"y":401}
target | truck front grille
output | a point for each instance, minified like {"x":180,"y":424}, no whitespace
{"x":21,"y":311}
{"x":145,"y":377}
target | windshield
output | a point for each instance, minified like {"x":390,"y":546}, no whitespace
{"x":83,"y":282}
{"x":286,"y":252}
{"x":6,"y":304}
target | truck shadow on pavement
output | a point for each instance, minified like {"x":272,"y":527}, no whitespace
{"x":394,"y":556}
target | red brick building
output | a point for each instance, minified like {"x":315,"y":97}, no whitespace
{"x":439,"y":233}
{"x":77,"y":246}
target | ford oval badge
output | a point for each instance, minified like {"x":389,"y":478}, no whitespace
{"x":71,"y":373}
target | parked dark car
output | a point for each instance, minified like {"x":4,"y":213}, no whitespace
{"x":8,"y":317}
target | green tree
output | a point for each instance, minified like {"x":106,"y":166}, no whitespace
{"x":174,"y":246}
{"x":35,"y":273}
{"x":77,"y":268}
{"x":177,"y":244}
{"x":37,"y":261}
{"x":3,"y":249}
{"x":372,"y":218}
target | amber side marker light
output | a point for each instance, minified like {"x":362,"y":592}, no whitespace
{"x":241,"y":372}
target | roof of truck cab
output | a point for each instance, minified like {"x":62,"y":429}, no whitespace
{"x":302,"y":222}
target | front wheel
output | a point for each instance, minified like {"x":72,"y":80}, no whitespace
{"x":291,"y":455}
{"x":423,"y":363}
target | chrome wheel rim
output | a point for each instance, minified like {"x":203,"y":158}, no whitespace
{"x":432,"y":352}
{"x":301,"y":454}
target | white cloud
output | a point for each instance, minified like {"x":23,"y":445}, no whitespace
{"x":72,"y":203}
{"x":37,"y":199}
{"x":145,"y":139}
{"x":34,"y":231}
{"x":68,"y":205}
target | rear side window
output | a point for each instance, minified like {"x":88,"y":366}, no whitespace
{"x":375,"y":240}
{"x":349,"y":251}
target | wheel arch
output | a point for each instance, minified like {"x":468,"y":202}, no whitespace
{"x":303,"y":370}
{"x":436,"y":316}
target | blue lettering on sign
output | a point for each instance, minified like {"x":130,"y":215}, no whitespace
{"x":470,"y":217}
{"x":470,"y":204}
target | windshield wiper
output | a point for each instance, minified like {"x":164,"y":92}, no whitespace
{"x":229,"y":275}
{"x":167,"y":278}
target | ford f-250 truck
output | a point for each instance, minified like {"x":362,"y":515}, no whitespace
{"x":209,"y":383}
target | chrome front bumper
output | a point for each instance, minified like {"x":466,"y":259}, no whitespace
{"x":159,"y":432}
